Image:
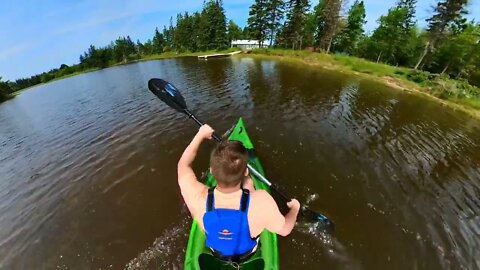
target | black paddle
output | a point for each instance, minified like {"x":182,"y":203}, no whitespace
{"x":171,"y":95}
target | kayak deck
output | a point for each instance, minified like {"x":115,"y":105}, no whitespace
{"x":267,"y":255}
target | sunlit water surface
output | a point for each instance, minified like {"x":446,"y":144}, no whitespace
{"x":88,"y":167}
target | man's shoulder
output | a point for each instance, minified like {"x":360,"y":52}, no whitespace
{"x":262,"y":196}
{"x":259,"y":193}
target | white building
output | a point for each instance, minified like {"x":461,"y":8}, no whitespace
{"x":245,"y":44}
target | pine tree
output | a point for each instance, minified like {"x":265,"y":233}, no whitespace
{"x":234,"y":31}
{"x":319,"y":20}
{"x":246,"y":32}
{"x":411,"y":6}
{"x":148,"y":47}
{"x":309,"y":30}
{"x":353,"y":30}
{"x":275,"y":12}
{"x":214,"y":25}
{"x":329,"y":23}
{"x":293,"y":29}
{"x":258,"y":21}
{"x":168,"y":34}
{"x":196,"y":34}
{"x":449,"y":15}
{"x":158,"y":41}
{"x":184,"y":29}
{"x":122,"y":49}
{"x":140,"y":48}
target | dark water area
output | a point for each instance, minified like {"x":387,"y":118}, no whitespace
{"x":88,"y":167}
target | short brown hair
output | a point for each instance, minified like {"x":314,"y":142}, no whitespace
{"x":228,"y":163}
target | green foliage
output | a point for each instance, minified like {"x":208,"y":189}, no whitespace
{"x":122,"y":50}
{"x":319,"y":20}
{"x":329,"y":19}
{"x":459,"y":55}
{"x":309,"y":30}
{"x":419,"y":76}
{"x":5,"y":90}
{"x":396,"y":40}
{"x":213,"y":26}
{"x":246,"y":32}
{"x":448,"y":14}
{"x":234,"y":31}
{"x":387,"y":39}
{"x":444,"y":87}
{"x":399,"y":72}
{"x":350,"y":35}
{"x":158,"y":41}
{"x":183,"y":39}
{"x":275,"y":10}
{"x":293,"y":31}
{"x":258,"y":21}
{"x":98,"y":57}
{"x":474,"y":78}
{"x":167,"y":35}
{"x":410,"y":6}
{"x":448,"y":18}
{"x":264,"y":19}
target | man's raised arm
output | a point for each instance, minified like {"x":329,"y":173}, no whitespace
{"x":186,"y":176}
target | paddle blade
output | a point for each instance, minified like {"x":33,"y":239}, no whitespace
{"x":323,"y":223}
{"x":167,"y":93}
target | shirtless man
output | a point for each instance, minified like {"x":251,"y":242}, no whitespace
{"x":232,"y":214}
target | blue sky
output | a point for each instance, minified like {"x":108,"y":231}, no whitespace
{"x":40,"y":35}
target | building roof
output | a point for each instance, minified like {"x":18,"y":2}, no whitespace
{"x":244,"y":42}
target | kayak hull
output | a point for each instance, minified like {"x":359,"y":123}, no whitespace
{"x":198,"y":257}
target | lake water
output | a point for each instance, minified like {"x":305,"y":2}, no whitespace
{"x":88,"y":167}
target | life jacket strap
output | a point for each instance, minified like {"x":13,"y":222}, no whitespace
{"x":244,"y":200}
{"x":210,"y":199}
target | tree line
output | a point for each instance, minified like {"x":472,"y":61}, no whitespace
{"x":449,"y":44}
{"x":200,"y":31}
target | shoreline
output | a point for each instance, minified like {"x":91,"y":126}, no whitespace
{"x":167,"y":55}
{"x":344,"y":64}
{"x":329,"y":62}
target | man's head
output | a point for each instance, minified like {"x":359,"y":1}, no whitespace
{"x":228,"y":163}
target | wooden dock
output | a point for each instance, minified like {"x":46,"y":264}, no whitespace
{"x":216,"y":55}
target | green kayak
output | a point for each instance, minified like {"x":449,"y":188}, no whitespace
{"x":198,"y":257}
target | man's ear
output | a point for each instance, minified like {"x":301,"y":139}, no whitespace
{"x":246,"y":171}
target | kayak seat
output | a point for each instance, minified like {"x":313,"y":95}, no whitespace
{"x":208,"y":261}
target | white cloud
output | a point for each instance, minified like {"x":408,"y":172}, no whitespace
{"x":12,"y":51}
{"x":102,"y":14}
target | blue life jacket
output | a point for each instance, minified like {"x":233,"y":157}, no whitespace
{"x":227,"y":230}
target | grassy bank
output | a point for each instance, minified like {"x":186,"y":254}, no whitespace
{"x":456,"y":94}
{"x":182,"y":54}
{"x":16,"y":93}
